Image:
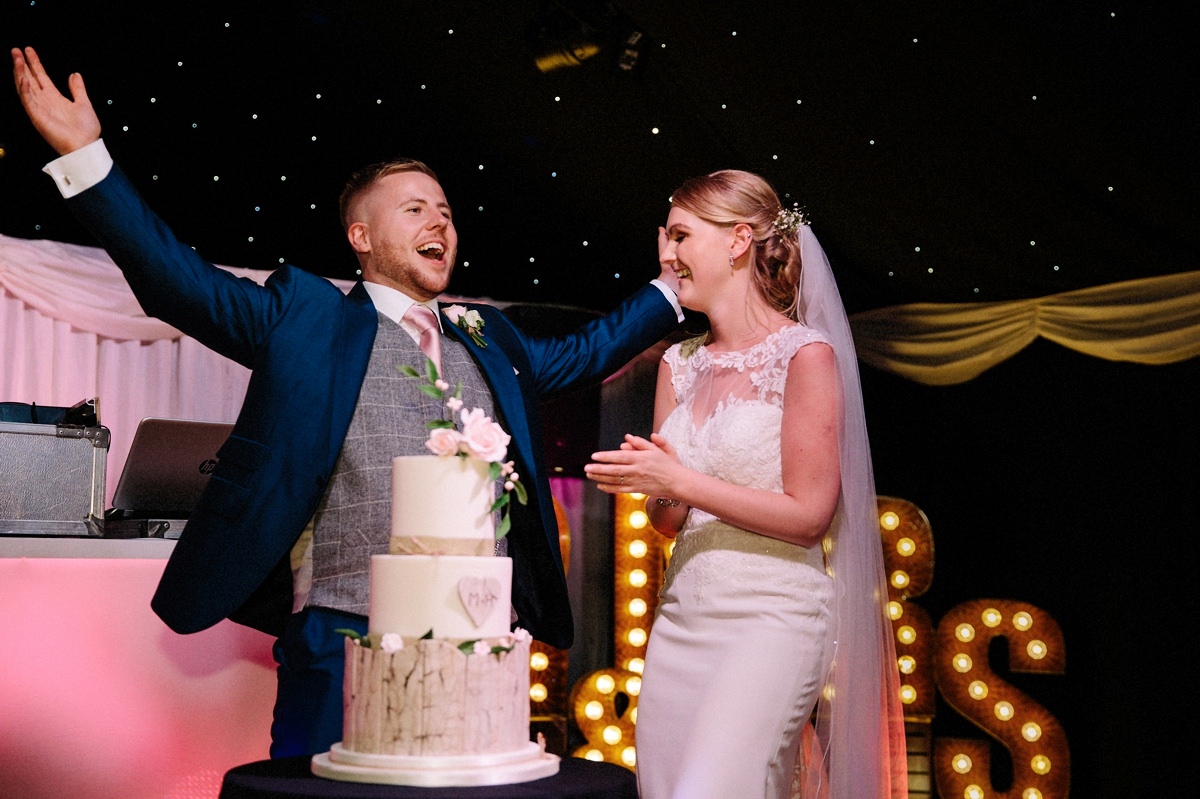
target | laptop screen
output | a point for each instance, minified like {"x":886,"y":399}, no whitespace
{"x":168,"y":465}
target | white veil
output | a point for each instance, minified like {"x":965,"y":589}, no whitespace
{"x":859,"y":724}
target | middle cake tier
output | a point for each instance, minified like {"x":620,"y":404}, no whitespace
{"x":452,"y":596}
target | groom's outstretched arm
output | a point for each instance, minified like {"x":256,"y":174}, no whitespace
{"x":65,"y":124}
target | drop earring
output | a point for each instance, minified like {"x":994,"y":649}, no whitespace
{"x":731,"y":264}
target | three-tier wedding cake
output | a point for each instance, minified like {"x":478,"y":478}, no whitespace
{"x":437,"y":693}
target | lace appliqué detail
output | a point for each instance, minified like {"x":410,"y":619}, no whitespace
{"x":766,"y":363}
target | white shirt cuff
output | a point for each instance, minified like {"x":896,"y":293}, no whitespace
{"x":79,"y":170}
{"x":671,"y":298}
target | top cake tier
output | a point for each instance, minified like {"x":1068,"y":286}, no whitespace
{"x":441,"y":506}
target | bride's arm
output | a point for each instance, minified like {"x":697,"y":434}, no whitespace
{"x":809,"y":452}
{"x":666,"y":513}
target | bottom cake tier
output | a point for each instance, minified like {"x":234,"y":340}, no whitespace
{"x":530,"y":762}
{"x":430,"y":712}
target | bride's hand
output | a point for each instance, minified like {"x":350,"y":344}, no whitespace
{"x":643,"y":466}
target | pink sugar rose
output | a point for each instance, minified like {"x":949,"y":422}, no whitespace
{"x":483,"y":438}
{"x":444,"y":441}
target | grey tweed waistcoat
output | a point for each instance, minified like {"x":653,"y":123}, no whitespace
{"x":354,"y":518}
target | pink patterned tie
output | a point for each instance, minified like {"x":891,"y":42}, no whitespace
{"x":431,"y":344}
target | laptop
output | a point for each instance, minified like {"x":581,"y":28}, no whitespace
{"x":167,"y":468}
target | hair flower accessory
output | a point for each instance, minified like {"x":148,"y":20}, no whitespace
{"x":475,"y":435}
{"x":789,"y":220}
{"x":469,"y":321}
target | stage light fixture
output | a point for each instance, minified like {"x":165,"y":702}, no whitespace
{"x":568,"y":33}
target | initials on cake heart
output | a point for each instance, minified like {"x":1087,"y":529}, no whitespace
{"x":479,"y":596}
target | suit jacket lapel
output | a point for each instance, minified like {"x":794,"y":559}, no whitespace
{"x":360,"y":324}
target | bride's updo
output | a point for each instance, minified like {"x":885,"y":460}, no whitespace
{"x":731,"y":197}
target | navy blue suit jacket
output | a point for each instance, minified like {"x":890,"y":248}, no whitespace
{"x":307,"y":345}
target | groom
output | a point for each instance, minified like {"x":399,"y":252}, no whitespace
{"x":299,"y":501}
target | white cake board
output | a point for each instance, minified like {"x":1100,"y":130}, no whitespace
{"x":524,"y":765}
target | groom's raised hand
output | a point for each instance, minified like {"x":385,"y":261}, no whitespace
{"x":65,"y":124}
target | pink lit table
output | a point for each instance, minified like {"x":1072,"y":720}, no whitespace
{"x":98,"y":698}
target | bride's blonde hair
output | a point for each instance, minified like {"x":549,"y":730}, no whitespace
{"x":731,"y":197}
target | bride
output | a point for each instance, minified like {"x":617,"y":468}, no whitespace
{"x":759,"y":467}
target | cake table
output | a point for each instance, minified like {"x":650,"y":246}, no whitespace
{"x":292,"y":778}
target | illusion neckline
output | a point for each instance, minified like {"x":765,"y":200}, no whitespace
{"x":715,"y":353}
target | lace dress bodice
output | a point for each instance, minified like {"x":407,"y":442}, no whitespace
{"x":727,"y":424}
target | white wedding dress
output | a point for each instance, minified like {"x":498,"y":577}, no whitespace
{"x":738,"y":650}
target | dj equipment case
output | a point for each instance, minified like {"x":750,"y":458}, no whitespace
{"x":52,"y":475}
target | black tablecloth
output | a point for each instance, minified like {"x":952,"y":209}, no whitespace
{"x":291,"y":778}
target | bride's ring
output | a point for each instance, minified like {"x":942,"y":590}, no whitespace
{"x":622,"y":480}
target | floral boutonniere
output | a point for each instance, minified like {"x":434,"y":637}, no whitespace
{"x":474,"y":436}
{"x":469,"y":321}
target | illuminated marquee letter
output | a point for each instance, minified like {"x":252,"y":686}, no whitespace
{"x":908,"y":561}
{"x":1034,"y":738}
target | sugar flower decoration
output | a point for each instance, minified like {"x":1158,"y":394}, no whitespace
{"x":473,"y":435}
{"x":506,"y":644}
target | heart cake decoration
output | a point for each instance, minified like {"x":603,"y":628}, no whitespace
{"x":479,"y":596}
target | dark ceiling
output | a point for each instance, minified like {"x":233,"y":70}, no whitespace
{"x":947,"y":152}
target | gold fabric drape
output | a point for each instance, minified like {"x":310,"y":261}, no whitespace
{"x":1150,"y":321}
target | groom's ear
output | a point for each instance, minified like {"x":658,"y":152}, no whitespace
{"x":359,"y":236}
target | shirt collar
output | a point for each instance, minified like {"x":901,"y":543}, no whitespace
{"x":394,"y":303}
